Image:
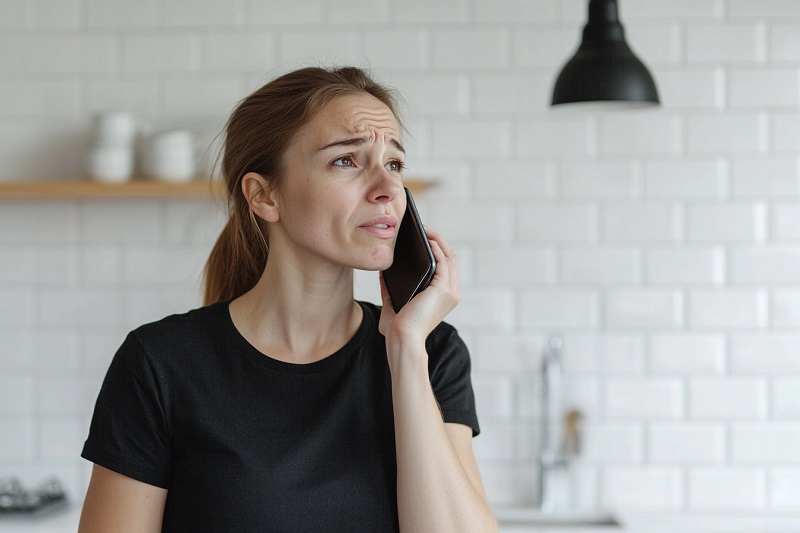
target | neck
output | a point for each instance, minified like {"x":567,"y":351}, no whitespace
{"x":297,"y":314}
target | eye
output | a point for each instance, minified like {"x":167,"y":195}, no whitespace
{"x":395,"y":165}
{"x":345,"y":161}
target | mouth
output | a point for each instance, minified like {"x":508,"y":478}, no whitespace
{"x":382,"y":227}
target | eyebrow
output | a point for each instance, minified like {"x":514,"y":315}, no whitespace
{"x":357,"y":141}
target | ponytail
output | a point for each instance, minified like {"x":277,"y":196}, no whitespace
{"x":236,"y":261}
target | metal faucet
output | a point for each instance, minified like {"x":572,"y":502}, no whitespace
{"x":558,"y":444}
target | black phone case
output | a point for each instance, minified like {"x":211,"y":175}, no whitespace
{"x":413,"y":266}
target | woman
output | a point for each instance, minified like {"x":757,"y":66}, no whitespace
{"x":283,"y":404}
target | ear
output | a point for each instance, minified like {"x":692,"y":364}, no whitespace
{"x":261,"y":196}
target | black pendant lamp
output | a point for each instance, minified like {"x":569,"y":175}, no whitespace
{"x":604,"y":71}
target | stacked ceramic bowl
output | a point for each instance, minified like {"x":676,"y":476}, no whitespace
{"x":170,"y":156}
{"x":111,"y":158}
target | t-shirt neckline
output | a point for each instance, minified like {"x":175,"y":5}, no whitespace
{"x":342,"y":354}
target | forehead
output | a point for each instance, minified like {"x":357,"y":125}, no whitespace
{"x":354,"y":114}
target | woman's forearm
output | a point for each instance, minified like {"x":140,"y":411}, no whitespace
{"x":434,"y":491}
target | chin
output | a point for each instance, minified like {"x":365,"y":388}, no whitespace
{"x":375,"y":267}
{"x":377,"y":259}
{"x":375,"y":263}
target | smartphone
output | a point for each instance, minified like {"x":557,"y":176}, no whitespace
{"x":413,"y":266}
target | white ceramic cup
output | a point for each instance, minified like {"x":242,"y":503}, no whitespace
{"x":175,"y":168}
{"x":170,"y":156}
{"x":115,"y":128}
{"x":171,"y":141}
{"x":111,"y":164}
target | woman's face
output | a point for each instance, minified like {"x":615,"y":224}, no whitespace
{"x":341,"y":198}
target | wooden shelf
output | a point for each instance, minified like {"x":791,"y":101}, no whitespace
{"x":84,"y":188}
{"x":135,"y":188}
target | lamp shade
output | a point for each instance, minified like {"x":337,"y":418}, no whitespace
{"x":605,"y":69}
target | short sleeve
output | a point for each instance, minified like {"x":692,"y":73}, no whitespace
{"x":128,"y":432}
{"x":449,"y":370}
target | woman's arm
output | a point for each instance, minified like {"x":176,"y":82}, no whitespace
{"x":438,"y":484}
{"x":118,"y":504}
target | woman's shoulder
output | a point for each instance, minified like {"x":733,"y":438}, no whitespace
{"x":183,"y":328}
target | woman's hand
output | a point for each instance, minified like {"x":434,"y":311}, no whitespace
{"x":428,"y":308}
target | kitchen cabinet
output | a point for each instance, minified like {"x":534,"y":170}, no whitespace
{"x":136,"y":188}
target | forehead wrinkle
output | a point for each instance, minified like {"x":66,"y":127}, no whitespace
{"x":362,"y":117}
{"x":370,"y":129}
{"x":373,"y":130}
{"x":367,"y":120}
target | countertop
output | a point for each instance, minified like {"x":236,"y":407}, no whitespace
{"x":66,"y":521}
{"x":63,"y":520}
{"x":661,"y":522}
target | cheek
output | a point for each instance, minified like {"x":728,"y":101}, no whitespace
{"x":299,"y":204}
{"x":320,"y":210}
{"x":312,"y":220}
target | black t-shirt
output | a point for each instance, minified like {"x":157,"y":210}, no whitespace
{"x":244,"y":442}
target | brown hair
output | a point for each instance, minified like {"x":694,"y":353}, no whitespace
{"x":257,"y":135}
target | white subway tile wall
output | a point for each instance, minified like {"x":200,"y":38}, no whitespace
{"x":731,"y":489}
{"x":662,"y":245}
{"x":785,"y":488}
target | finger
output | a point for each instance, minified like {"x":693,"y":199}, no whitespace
{"x":448,"y":252}
{"x":452,"y":259}
{"x":454,"y":267}
{"x":443,"y":244}
{"x":449,"y":255}
{"x":443,"y":266}
{"x":436,"y":241}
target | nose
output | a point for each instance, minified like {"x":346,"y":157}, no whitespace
{"x":386,"y":186}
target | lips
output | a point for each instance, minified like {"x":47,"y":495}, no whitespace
{"x":382,"y":227}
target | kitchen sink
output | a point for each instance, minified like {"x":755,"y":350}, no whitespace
{"x":527,"y":516}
